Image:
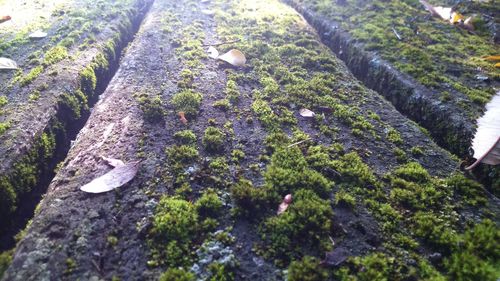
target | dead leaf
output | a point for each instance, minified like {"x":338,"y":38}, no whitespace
{"x":497,"y":65}
{"x":486,"y":142}
{"x":234,"y":57}
{"x":287,"y":200}
{"x":115,"y":178}
{"x":456,"y":18}
{"x":492,"y":58}
{"x":182,"y":117}
{"x":212,"y":52}
{"x":304,"y":112}
{"x":113,"y":162}
{"x":438,"y":11}
{"x":38,"y":34}
{"x":6,"y":63}
{"x":5,"y":18}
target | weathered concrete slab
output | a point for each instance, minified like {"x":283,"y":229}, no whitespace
{"x":361,"y":174}
{"x":45,"y":102}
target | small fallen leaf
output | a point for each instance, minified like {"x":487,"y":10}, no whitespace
{"x":6,"y":63}
{"x":234,"y":57}
{"x":486,"y":142}
{"x":438,"y":11}
{"x":182,"y":117}
{"x":456,"y":17}
{"x":212,"y":52}
{"x":5,"y":18}
{"x":38,"y":34}
{"x":115,"y":178}
{"x":113,"y":162}
{"x":492,"y":58}
{"x":497,"y":65}
{"x":287,"y":200}
{"x":304,"y":112}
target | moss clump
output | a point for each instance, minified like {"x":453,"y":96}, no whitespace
{"x":471,"y":191}
{"x":4,"y":126}
{"x":187,"y":78}
{"x":88,"y":80}
{"x":177,"y":274}
{"x":8,"y":196}
{"x":375,"y":266}
{"x":413,"y":172}
{"x":222,"y":104}
{"x":209,"y":204}
{"x":55,"y":54}
{"x":435,"y":230}
{"x":152,"y":108}
{"x":394,"y":136}
{"x":186,"y":137}
{"x":232,"y":91}
{"x":354,"y":171}
{"x":219,"y":166}
{"x":305,"y":224}
{"x":250,"y":201}
{"x":237,"y":155}
{"x":32,"y":75}
{"x":182,"y":154}
{"x":5,"y":260}
{"x":213,"y":139}
{"x":73,"y":104}
{"x":307,"y":269}
{"x":187,"y":101}
{"x":174,"y":225}
{"x":288,"y":172}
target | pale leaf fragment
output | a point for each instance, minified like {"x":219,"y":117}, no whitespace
{"x":115,"y":178}
{"x":212,"y":52}
{"x":304,"y":112}
{"x":284,"y":205}
{"x":113,"y":162}
{"x":486,"y":142}
{"x":6,"y":63}
{"x":38,"y":34}
{"x":234,"y":57}
{"x":438,"y":11}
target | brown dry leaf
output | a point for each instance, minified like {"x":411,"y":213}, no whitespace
{"x":115,"y":178}
{"x":182,"y":117}
{"x":492,"y":58}
{"x":304,"y":112}
{"x":486,"y":142}
{"x":497,"y":65}
{"x":234,"y":57}
{"x":6,"y":63}
{"x":4,"y":18}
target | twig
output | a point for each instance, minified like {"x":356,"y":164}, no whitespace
{"x":396,"y":33}
{"x":297,"y":143}
{"x":222,"y":43}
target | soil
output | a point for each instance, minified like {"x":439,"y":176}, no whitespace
{"x":69,"y":236}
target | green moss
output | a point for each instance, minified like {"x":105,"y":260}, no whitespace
{"x":209,"y":204}
{"x":219,"y":166}
{"x":307,"y":269}
{"x":32,"y":75}
{"x":413,"y":172}
{"x":354,"y":170}
{"x":345,"y":198}
{"x":186,"y":137}
{"x":88,"y":80}
{"x":8,"y":196}
{"x":177,"y":274}
{"x":305,"y":224}
{"x":4,"y":126}
{"x":70,"y":265}
{"x":435,"y":230}
{"x":73,"y":104}
{"x":152,"y":108}
{"x":112,"y":240}
{"x":232,"y":91}
{"x":222,"y":104}
{"x":5,"y":260}
{"x":55,"y":54}
{"x":394,"y":136}
{"x":3,"y":101}
{"x":400,"y":155}
{"x":417,"y":151}
{"x":213,"y":139}
{"x":187,"y":101}
{"x":251,"y":201}
{"x":237,"y":155}
{"x":182,"y":154}
{"x":187,"y":78}
{"x":375,"y":266}
{"x":471,"y":191}
{"x":220,"y":272}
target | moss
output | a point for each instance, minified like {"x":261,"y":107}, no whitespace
{"x":471,"y":191}
{"x":4,"y":126}
{"x":5,"y":260}
{"x":394,"y":136}
{"x":3,"y":101}
{"x":306,"y":223}
{"x":55,"y":54}
{"x":187,"y":101}
{"x":32,"y":75}
{"x":232,"y":91}
{"x":186,"y":137}
{"x":112,"y":240}
{"x":342,"y":197}
{"x":34,"y":95}
{"x":73,"y":104}
{"x":354,"y":170}
{"x":177,"y":274}
{"x":400,"y":155}
{"x":88,"y":80}
{"x":222,"y":104}
{"x":187,"y":78}
{"x":209,"y":204}
{"x":152,"y":108}
{"x":435,"y":230}
{"x":219,"y":166}
{"x":237,"y":155}
{"x":70,"y":265}
{"x":213,"y":139}
{"x":417,"y":151}
{"x":220,"y":272}
{"x":307,"y":269}
{"x":251,"y":201}
{"x":413,"y":172}
{"x":8,"y":196}
{"x":182,"y":153}
{"x":375,"y":266}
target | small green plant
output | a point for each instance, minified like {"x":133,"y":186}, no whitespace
{"x":213,"y":139}
{"x":251,"y":201}
{"x":394,"y":136}
{"x":222,"y":104}
{"x":182,"y":153}
{"x":187,"y":101}
{"x":152,"y":108}
{"x":345,"y":198}
{"x":54,"y":55}
{"x":219,"y":165}
{"x":177,"y":274}
{"x":186,"y":137}
{"x":5,"y":260}
{"x":237,"y":155}
{"x":307,"y":269}
{"x":209,"y":204}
